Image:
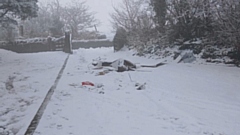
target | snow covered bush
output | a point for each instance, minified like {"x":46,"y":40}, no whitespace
{"x":8,"y":32}
{"x":227,"y":24}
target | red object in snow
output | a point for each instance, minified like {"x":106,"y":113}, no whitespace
{"x":87,"y":83}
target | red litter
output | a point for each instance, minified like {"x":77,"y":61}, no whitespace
{"x":87,"y":83}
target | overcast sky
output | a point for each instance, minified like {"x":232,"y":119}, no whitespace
{"x":102,"y":9}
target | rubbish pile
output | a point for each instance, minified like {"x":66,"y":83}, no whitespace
{"x":120,"y":65}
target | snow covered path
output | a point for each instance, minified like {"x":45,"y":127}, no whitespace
{"x":179,"y":99}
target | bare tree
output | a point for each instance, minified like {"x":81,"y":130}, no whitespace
{"x":78,"y":17}
{"x":54,"y":19}
{"x":126,"y":14}
{"x":135,"y":17}
{"x":228,"y":26}
{"x":57,"y":25}
{"x":39,"y":26}
{"x":189,"y":19}
{"x":47,"y":23}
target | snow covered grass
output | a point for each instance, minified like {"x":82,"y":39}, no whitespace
{"x":32,"y":76}
{"x":178,"y":99}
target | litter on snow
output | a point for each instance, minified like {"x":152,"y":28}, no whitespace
{"x":121,"y":65}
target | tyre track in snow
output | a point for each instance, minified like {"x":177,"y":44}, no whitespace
{"x":34,"y":123}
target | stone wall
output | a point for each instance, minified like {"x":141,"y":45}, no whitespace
{"x":50,"y":44}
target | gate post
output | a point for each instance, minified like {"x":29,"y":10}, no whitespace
{"x":68,"y":43}
{"x":51,"y":45}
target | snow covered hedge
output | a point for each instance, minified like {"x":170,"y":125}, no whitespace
{"x":193,"y":50}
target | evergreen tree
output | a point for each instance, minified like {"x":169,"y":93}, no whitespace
{"x":120,"y":39}
{"x":11,"y":10}
{"x":160,"y":9}
{"x":57,"y":27}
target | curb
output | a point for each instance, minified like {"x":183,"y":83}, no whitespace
{"x":34,"y":123}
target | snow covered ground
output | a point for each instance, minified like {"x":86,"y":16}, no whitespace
{"x":32,"y":76}
{"x":178,"y":99}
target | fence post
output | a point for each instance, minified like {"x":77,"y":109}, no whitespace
{"x":21,"y":30}
{"x":68,"y":43}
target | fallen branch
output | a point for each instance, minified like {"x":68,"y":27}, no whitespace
{"x":154,"y":66}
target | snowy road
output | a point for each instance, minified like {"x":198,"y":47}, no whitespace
{"x":179,"y":99}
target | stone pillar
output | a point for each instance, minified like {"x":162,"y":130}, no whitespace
{"x":68,"y":43}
